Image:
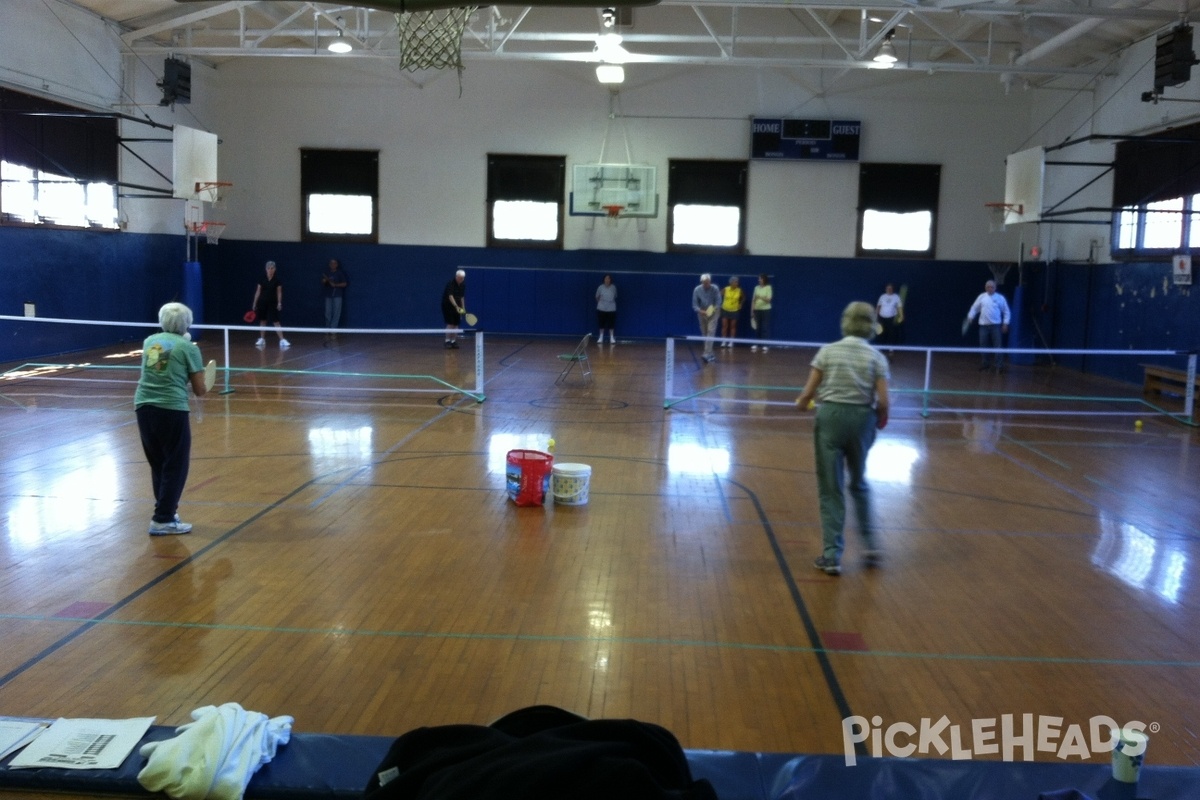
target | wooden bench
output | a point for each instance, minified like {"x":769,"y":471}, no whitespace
{"x":1161,"y":380}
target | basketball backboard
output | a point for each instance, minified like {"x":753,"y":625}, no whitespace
{"x":194,"y":161}
{"x":1023,"y":183}
{"x":597,"y":187}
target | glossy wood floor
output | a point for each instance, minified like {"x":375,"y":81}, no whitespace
{"x":357,"y":564}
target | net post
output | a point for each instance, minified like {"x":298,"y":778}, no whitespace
{"x":479,"y":366}
{"x":925,"y":390}
{"x":1189,"y":395}
{"x":669,"y":374}
{"x":226,"y":390}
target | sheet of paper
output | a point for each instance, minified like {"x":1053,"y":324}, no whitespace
{"x":84,"y":744}
{"x":15,"y":733}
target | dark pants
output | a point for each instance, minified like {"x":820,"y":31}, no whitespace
{"x":762,"y":318}
{"x":890,"y":333}
{"x":990,"y":336}
{"x":167,"y":443}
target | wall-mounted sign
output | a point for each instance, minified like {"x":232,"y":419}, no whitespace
{"x":1182,"y":267}
{"x":805,"y":139}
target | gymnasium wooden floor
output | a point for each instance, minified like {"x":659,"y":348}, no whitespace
{"x":357,"y":564}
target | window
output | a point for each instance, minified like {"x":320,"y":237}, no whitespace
{"x":897,"y":209}
{"x":339,"y":194}
{"x":58,"y":164}
{"x":1157,"y":228}
{"x":525,"y":201}
{"x":706,"y":203}
{"x":1156,"y":191}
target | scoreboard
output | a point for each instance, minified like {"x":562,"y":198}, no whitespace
{"x":805,"y":139}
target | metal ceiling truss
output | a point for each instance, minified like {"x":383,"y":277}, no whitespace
{"x":960,"y":36}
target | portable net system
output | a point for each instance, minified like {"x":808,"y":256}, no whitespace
{"x":432,"y":39}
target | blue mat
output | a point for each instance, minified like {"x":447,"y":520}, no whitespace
{"x":314,"y":765}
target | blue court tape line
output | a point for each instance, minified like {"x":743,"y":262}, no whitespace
{"x":629,"y":640}
{"x":1035,"y":451}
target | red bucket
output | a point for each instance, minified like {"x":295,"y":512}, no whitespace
{"x":527,"y":476}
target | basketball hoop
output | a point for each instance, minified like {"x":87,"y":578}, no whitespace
{"x":614,"y":213}
{"x":1000,"y":213}
{"x":212,"y":231}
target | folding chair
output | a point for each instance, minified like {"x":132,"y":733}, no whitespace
{"x":580,"y":357}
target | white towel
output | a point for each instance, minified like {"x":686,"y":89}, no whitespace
{"x":214,"y":757}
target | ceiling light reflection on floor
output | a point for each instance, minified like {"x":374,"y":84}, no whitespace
{"x":332,"y":448}
{"x":690,"y":458}
{"x":78,"y":502}
{"x":1139,"y":560}
{"x":892,"y":462}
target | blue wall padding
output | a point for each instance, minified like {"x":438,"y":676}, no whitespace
{"x":1019,"y":334}
{"x":552,"y":292}
{"x":82,"y":275}
{"x":126,"y":276}
{"x":314,"y":766}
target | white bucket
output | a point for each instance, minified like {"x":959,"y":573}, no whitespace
{"x":569,"y":484}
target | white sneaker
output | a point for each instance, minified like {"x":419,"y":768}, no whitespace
{"x":753,"y":348}
{"x":261,"y":343}
{"x":612,"y":340}
{"x":765,"y":348}
{"x":284,"y":344}
{"x":172,"y":528}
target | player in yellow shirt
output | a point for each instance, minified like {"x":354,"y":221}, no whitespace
{"x":732,"y":298}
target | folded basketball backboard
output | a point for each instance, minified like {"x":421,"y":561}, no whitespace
{"x":1023,"y":184}
{"x":194,"y":163}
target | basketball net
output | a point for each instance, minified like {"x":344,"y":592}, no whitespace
{"x":999,"y":215}
{"x":1000,"y":271}
{"x":213,"y":231}
{"x":614,"y":214}
{"x":433,"y":39}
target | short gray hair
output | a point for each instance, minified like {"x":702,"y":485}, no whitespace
{"x":859,"y":320}
{"x":270,"y":265}
{"x":462,"y":273}
{"x":175,"y":318}
{"x":705,"y":277}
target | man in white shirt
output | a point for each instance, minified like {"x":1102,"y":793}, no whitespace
{"x":994,"y":316}
{"x":887,"y":309}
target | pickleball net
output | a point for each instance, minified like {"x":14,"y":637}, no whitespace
{"x":937,"y":381}
{"x":85,"y":359}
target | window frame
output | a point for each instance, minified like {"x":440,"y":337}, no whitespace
{"x":709,"y":182}
{"x":59,"y":144}
{"x":1189,"y":229}
{"x":339,"y":171}
{"x":898,"y":188}
{"x":526,"y":177}
{"x":1150,"y":171}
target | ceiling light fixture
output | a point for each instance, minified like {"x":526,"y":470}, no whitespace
{"x":610,"y":73}
{"x":886,"y":57}
{"x":611,"y":56}
{"x":340,"y":45}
